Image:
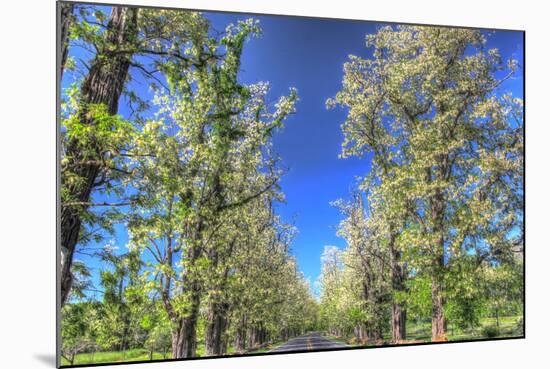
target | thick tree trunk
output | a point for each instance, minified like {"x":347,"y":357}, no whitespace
{"x":177,"y":340}
{"x":372,"y":327}
{"x":218,"y":306}
{"x":65,"y":19}
{"x":103,"y":85}
{"x":399,"y":321}
{"x":184,"y":339}
{"x":215,"y":342}
{"x":108,"y":73}
{"x":439,"y":326}
{"x":399,"y":313}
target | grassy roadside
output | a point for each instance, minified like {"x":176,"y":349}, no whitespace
{"x":421,"y":331}
{"x":143,"y":355}
{"x":115,"y":357}
{"x":508,"y":327}
{"x":125,"y":356}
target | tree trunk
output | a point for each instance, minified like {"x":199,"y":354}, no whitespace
{"x":371,"y":326}
{"x":65,"y":19}
{"x":399,"y":321}
{"x":103,"y":85}
{"x":362,"y":332}
{"x":218,"y":307}
{"x":399,"y":313}
{"x":215,"y":343}
{"x":253,"y":339}
{"x":439,"y":326}
{"x":184,"y":339}
{"x":263,"y":335}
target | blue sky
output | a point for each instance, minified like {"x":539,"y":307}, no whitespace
{"x":308,"y":54}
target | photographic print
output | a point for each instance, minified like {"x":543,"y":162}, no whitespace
{"x":249,"y":184}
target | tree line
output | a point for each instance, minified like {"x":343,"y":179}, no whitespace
{"x":192,"y":176}
{"x":435,"y":228}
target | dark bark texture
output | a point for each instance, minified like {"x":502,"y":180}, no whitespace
{"x":215,"y":340}
{"x":184,"y":339}
{"x":219,"y":306}
{"x":439,"y":326}
{"x":65,"y":19}
{"x":218,"y":310}
{"x":399,"y":321}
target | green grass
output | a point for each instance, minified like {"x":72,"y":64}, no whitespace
{"x":115,"y":356}
{"x":122,"y":356}
{"x":136,"y":355}
{"x":422,"y":331}
{"x":507,"y":327}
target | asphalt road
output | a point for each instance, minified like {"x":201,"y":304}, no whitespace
{"x":311,"y":341}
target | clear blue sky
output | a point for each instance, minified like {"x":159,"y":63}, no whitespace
{"x":308,"y":54}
